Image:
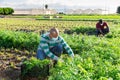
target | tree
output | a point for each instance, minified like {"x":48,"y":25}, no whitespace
{"x":10,"y":10}
{"x":6,"y":11}
{"x":46,"y":6}
{"x":118,"y":10}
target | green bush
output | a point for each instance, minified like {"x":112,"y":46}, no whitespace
{"x":6,"y":11}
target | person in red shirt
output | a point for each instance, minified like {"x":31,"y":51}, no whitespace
{"x":102,"y":27}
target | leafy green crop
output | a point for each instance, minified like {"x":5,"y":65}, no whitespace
{"x":97,"y":59}
{"x":81,"y":68}
{"x":35,"y":68}
{"x":10,"y":39}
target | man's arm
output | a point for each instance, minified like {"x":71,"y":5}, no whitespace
{"x":107,"y":28}
{"x":98,"y":28}
{"x":106,"y":24}
{"x":67,"y":48}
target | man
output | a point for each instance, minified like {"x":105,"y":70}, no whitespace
{"x":102,"y":27}
{"x":51,"y":45}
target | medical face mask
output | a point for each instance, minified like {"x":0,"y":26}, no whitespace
{"x":54,"y":39}
{"x":101,"y":24}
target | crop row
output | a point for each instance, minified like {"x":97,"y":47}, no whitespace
{"x":22,"y":41}
{"x":36,"y":25}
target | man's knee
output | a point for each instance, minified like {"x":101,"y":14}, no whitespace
{"x":59,"y":48}
{"x":40,"y":54}
{"x":107,"y":30}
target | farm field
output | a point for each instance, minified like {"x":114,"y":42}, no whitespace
{"x":96,"y":58}
{"x":82,"y":16}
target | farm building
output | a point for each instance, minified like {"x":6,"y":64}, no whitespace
{"x":86,"y":11}
{"x":34,"y":11}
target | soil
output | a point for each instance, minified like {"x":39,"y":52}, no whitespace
{"x":10,"y":64}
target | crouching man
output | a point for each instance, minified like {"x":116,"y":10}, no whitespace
{"x":102,"y":27}
{"x":51,"y":45}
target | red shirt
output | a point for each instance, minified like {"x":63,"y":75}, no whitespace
{"x":99,"y":26}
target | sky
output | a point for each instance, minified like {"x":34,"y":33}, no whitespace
{"x":110,"y":5}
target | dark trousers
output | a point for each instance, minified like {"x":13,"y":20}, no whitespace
{"x":104,"y":31}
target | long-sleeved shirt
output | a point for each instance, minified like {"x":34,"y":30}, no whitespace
{"x":46,"y":43}
{"x":99,"y":26}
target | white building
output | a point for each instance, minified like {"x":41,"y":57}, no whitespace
{"x":34,"y":11}
{"x":87,"y":11}
{"x":22,"y":11}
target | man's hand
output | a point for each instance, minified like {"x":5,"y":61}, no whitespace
{"x":61,"y":60}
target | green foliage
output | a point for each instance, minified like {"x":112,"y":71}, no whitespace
{"x":6,"y":11}
{"x":35,"y":68}
{"x":84,"y":30}
{"x":12,"y":39}
{"x":96,"y":58}
{"x":85,"y":67}
{"x":110,"y":18}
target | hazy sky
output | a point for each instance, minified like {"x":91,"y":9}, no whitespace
{"x":110,"y":5}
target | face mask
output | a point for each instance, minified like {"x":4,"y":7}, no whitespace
{"x":101,"y":24}
{"x":54,"y":39}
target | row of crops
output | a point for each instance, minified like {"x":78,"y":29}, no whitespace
{"x":92,"y":17}
{"x":31,"y":25}
{"x":18,"y":40}
{"x":77,"y":17}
